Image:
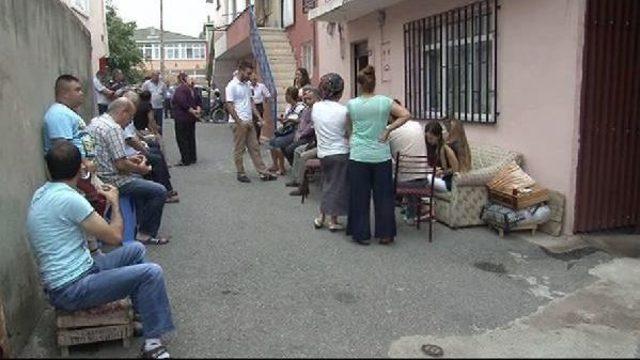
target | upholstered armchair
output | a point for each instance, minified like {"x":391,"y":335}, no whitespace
{"x":462,"y":205}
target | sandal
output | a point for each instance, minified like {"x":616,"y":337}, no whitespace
{"x":336,"y":227}
{"x":155,"y":353}
{"x":154,"y":241}
{"x":318,"y":223}
{"x":172,"y":199}
{"x":432,"y":350}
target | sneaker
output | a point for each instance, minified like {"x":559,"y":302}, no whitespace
{"x":243,"y":179}
{"x":267,"y":177}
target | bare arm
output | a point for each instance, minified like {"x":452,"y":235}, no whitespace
{"x":349,"y":129}
{"x":137,"y":144}
{"x":452,"y":159}
{"x":401,"y":114}
{"x":256,"y":113}
{"x":110,"y":233}
{"x":232,"y":111}
{"x":127,"y":166}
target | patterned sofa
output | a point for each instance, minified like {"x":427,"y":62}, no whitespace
{"x":463,"y":204}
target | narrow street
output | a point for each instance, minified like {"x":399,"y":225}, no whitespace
{"x":249,"y":276}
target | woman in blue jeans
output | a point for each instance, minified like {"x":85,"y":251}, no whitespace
{"x":370,"y":169}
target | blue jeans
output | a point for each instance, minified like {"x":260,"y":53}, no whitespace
{"x":122,"y":272}
{"x":150,"y":198}
{"x":158,"y":117}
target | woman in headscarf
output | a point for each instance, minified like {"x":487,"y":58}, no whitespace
{"x":330,"y":124}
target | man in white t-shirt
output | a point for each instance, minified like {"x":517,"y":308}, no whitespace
{"x":101,"y":93}
{"x":157,"y":89}
{"x":241,"y":110}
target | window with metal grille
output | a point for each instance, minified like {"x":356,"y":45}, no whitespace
{"x":450,"y":64}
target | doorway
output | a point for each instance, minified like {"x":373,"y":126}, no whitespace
{"x":360,"y":61}
{"x":608,"y":175}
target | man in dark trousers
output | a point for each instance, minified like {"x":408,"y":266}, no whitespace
{"x":185,"y":114}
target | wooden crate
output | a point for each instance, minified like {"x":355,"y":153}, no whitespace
{"x":521,"y":200}
{"x":113,"y":321}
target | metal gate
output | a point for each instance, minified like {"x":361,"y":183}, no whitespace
{"x":608,"y":176}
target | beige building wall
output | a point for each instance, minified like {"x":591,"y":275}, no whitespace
{"x":94,"y":19}
{"x":539,"y":78}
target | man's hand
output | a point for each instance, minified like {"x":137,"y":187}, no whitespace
{"x":260,"y":122}
{"x":138,"y":159}
{"x":109,"y":192}
{"x":143,"y":169}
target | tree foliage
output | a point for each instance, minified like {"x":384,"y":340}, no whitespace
{"x":123,"y":51}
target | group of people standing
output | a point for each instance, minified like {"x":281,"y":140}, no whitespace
{"x":355,"y":143}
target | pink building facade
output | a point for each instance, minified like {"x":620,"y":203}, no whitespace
{"x":538,"y":62}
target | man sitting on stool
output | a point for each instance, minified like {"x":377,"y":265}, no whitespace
{"x":57,"y":221}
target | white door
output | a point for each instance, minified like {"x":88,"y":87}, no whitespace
{"x":288,"y":11}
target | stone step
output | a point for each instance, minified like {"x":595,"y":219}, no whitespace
{"x":277,"y":45}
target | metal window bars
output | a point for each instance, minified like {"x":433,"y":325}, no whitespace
{"x":262,"y":60}
{"x":451,"y":64}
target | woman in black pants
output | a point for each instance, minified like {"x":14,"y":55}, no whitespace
{"x":185,"y":114}
{"x":370,"y":167}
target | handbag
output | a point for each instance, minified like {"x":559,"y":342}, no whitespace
{"x":285,"y":130}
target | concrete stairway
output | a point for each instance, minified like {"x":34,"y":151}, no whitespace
{"x":281,"y":60}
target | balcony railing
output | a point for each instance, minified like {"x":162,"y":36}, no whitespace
{"x":261,"y":58}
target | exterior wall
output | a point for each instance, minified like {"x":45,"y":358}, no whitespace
{"x":96,"y":22}
{"x":29,"y":65}
{"x":301,"y":32}
{"x":174,"y":67}
{"x":539,"y":77}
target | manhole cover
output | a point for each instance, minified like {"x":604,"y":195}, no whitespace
{"x":491,"y":267}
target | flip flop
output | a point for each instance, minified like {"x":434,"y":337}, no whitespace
{"x":154,"y":241}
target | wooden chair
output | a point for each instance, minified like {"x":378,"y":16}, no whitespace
{"x":312,"y":166}
{"x":417,"y":166}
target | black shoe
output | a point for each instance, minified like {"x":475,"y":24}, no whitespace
{"x":296,"y":192}
{"x":363,"y":242}
{"x":267,"y":177}
{"x":292,"y":184}
{"x":243,"y":179}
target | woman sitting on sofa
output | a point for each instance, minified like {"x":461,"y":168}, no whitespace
{"x":456,"y":138}
{"x":444,"y":157}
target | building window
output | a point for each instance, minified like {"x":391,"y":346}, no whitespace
{"x":450,"y":63}
{"x":82,"y":6}
{"x":306,"y":58}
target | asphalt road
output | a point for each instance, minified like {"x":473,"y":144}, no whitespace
{"x":248,"y":275}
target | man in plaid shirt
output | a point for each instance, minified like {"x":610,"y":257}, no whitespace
{"x":114,"y":167}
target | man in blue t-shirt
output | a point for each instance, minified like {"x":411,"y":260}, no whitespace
{"x":58,"y":219}
{"x":61,"y":122}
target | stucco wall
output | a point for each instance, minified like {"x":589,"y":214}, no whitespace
{"x":33,"y":54}
{"x":539,"y":74}
{"x":301,"y":32}
{"x":95,"y":22}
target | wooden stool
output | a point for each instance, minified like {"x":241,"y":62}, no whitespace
{"x":531,"y":227}
{"x":113,"y":321}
